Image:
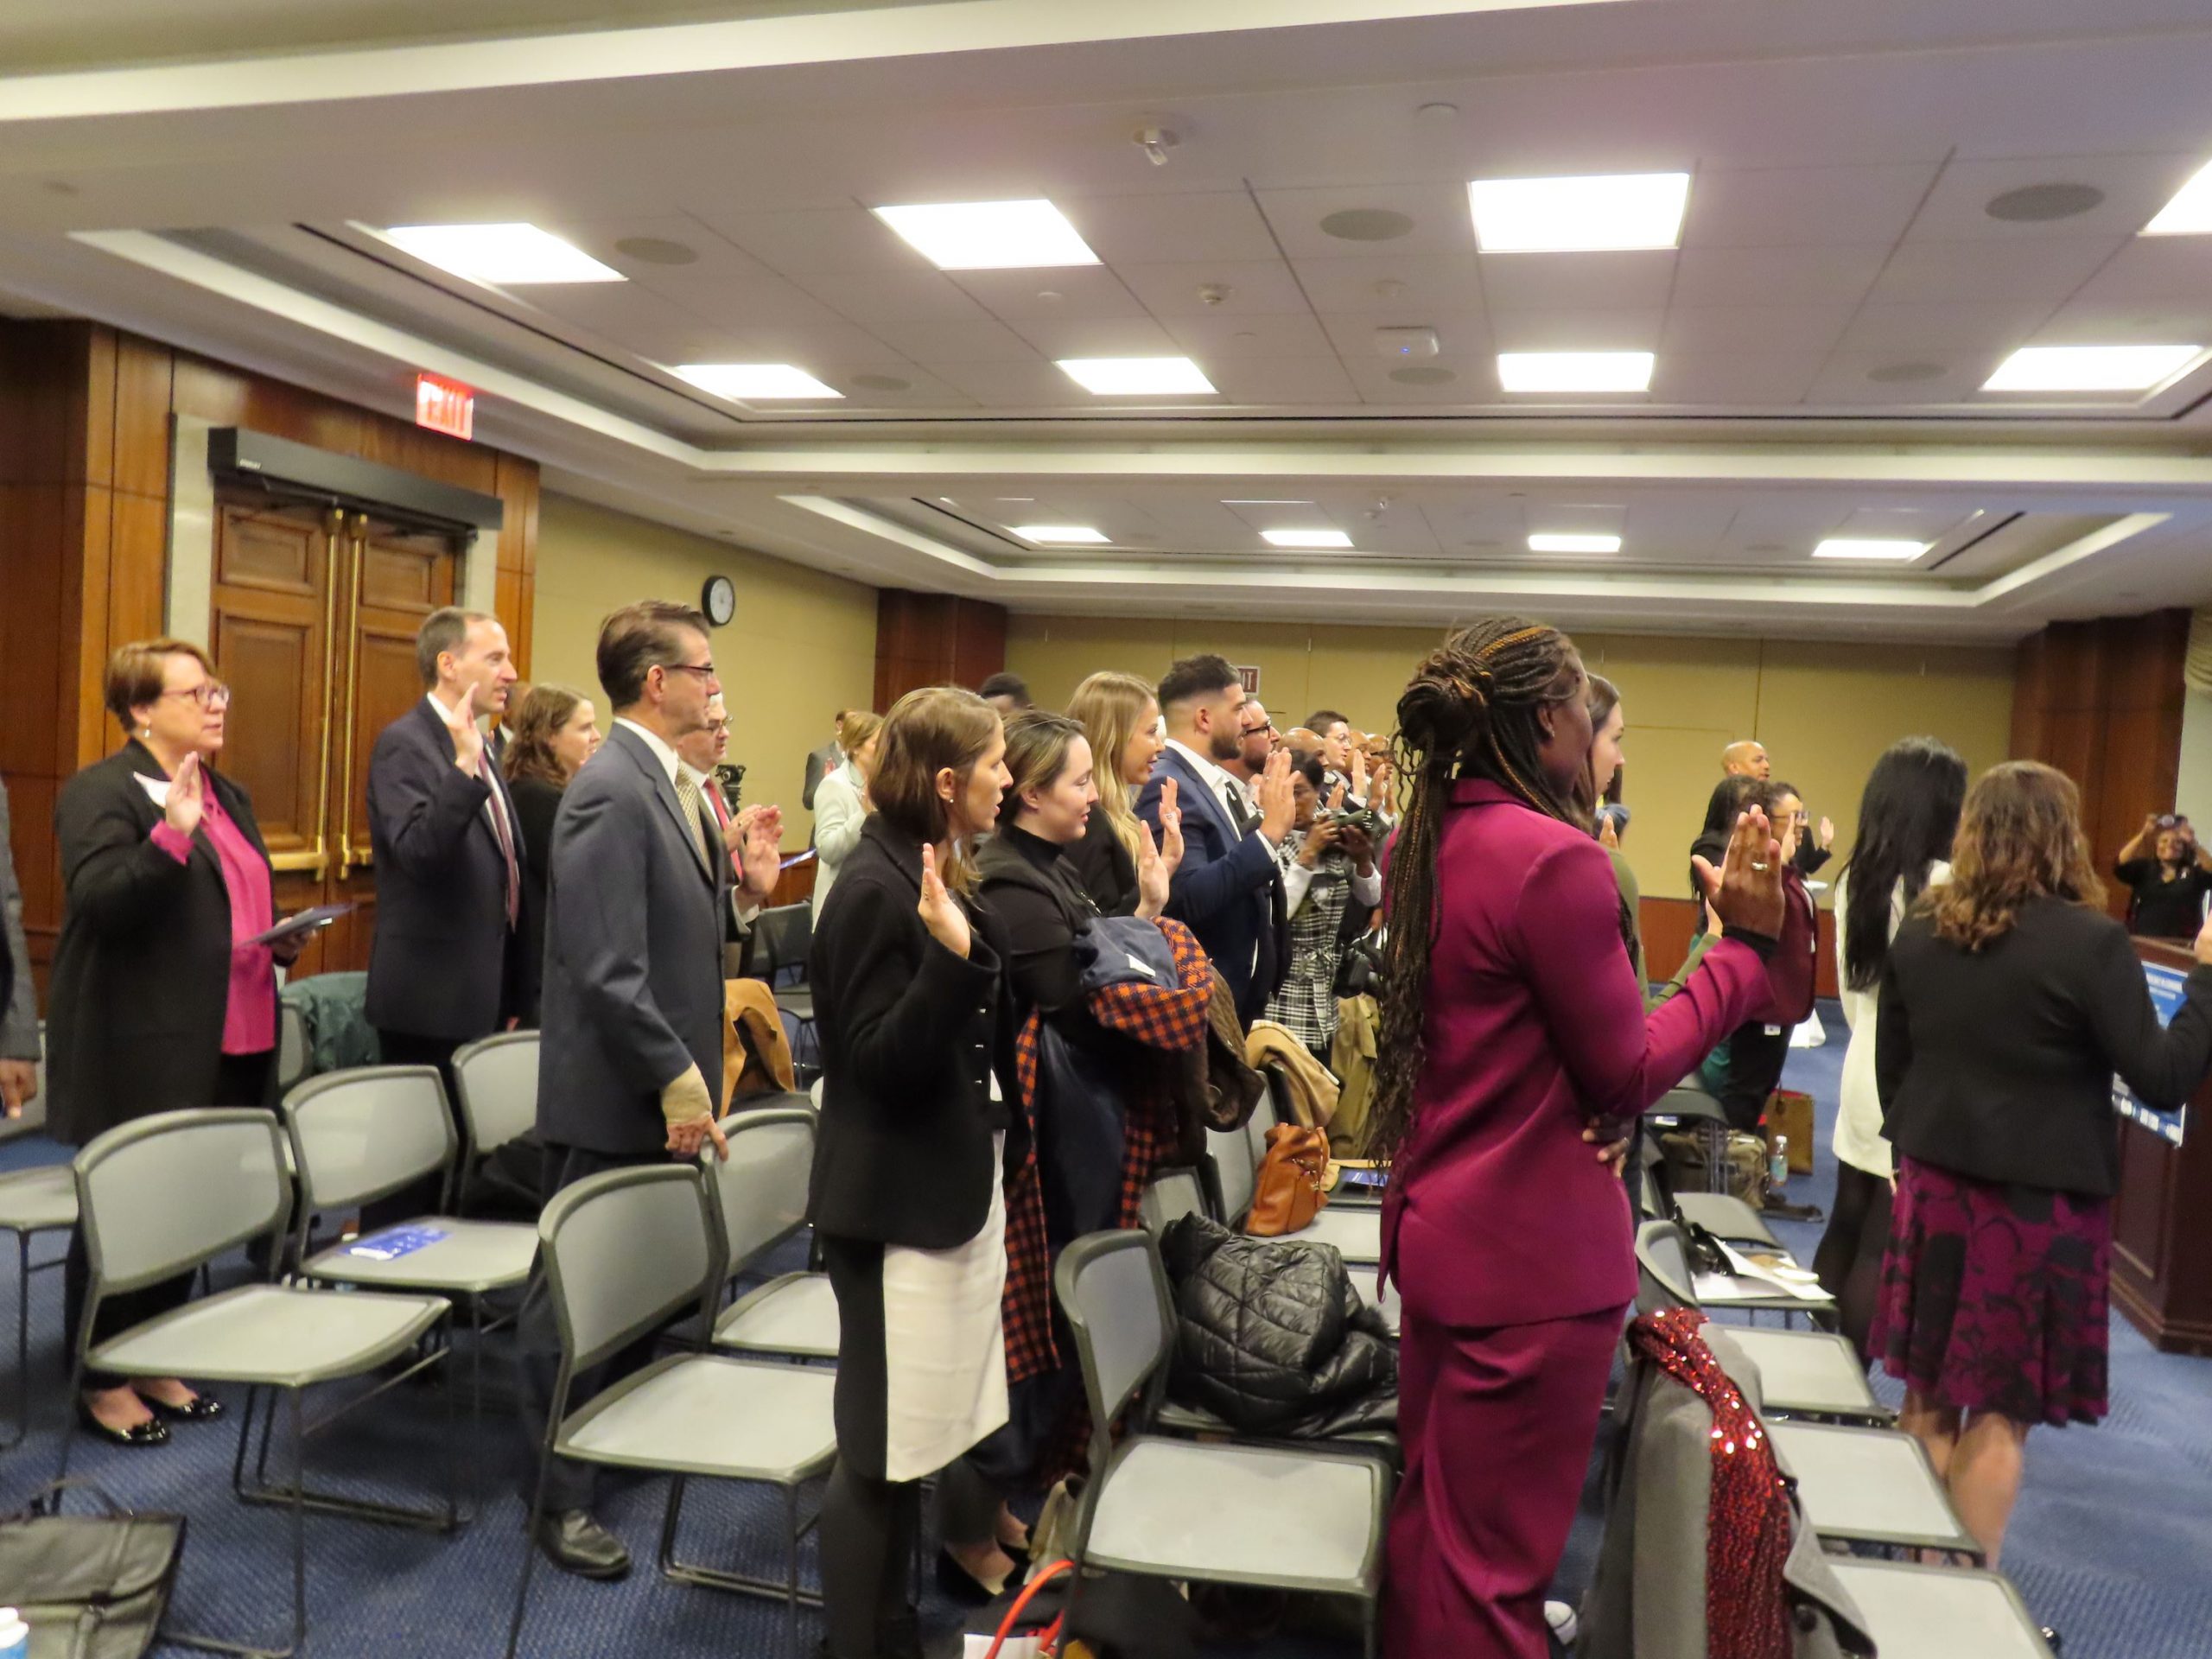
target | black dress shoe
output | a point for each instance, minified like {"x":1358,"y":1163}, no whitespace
{"x":200,"y":1408}
{"x":963,"y":1587}
{"x":152,"y":1431}
{"x":575,"y":1543}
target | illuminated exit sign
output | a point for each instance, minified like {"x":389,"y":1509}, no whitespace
{"x":445,"y":405}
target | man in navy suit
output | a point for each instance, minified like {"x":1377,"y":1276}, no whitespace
{"x":1227,"y":890}
{"x":448,"y":853}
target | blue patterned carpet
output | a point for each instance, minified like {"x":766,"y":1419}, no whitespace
{"x":2113,"y":1543}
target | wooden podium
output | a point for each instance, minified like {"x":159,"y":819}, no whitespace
{"x":2161,"y":1217}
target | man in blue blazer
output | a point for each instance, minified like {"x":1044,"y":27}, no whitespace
{"x":1227,"y":890}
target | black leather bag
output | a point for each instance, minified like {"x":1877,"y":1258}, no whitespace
{"x":91,"y":1586}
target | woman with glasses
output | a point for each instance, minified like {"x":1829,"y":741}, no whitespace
{"x":159,"y":1000}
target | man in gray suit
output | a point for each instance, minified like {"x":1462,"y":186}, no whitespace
{"x":18,"y":997}
{"x":821,"y":762}
{"x":630,"y":1070}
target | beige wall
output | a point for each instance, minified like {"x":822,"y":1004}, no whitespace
{"x":801,"y":644}
{"x":1824,"y":711}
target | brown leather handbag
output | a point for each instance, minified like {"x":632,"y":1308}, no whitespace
{"x":1287,"y":1192}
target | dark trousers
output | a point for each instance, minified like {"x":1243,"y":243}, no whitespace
{"x":1497,"y":1425}
{"x":240,"y":1080}
{"x":421,"y":1197}
{"x":1755,"y":1062}
{"x":1849,"y":1259}
{"x":569,"y":1485}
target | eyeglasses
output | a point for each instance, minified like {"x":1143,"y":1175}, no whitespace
{"x":209,"y":694}
{"x":704,"y":671}
{"x":1264,"y":726}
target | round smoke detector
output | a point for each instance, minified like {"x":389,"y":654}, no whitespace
{"x":1367,"y":224}
{"x":657,"y":250}
{"x":2032,"y":204}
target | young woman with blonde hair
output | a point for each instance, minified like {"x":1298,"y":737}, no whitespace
{"x":1120,"y":718}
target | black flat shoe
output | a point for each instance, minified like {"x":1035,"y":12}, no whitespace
{"x":963,"y":1587}
{"x":152,"y":1431}
{"x":575,"y":1543}
{"x":202,"y":1408}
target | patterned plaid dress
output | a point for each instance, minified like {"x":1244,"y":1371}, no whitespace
{"x":1307,"y":1004}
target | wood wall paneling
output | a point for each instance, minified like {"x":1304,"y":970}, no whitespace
{"x":934,"y":639}
{"x":1669,"y":924}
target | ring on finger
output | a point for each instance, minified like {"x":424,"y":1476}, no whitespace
{"x":1758,"y":870}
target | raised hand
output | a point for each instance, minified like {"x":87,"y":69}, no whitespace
{"x":1358,"y":774}
{"x":939,"y":910}
{"x":1153,"y":873}
{"x":1748,"y":897}
{"x":1277,"y":804}
{"x":468,"y":741}
{"x":2203,"y":942}
{"x":760,"y":861}
{"x":1336,"y":797}
{"x":1170,"y":828}
{"x":1607,"y":835}
{"x":187,"y":796}
{"x":1828,"y":833}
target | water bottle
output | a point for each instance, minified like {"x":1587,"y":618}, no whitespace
{"x":1777,"y":1177}
{"x":15,"y":1634}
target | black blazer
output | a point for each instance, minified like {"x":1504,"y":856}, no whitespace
{"x":1104,"y":867}
{"x":636,"y":915}
{"x":537,"y":804}
{"x":2000,"y":1064}
{"x":142,"y":976}
{"x":911,"y":1035}
{"x":442,"y":961}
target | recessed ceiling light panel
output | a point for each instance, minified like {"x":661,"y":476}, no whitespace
{"x":989,"y":235}
{"x":1304,"y":538}
{"x":1574,"y":370}
{"x":1137,"y":377}
{"x":2089,"y":368}
{"x":1621,"y":209}
{"x":508,"y":255}
{"x":2189,"y":212}
{"x":1559,"y":544}
{"x":754,"y":382}
{"x":1061,"y":535}
{"x":1870,"y":548}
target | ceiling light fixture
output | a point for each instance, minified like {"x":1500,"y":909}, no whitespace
{"x":2089,"y":368}
{"x":1304,"y":538}
{"x":989,"y":235}
{"x":1070,"y":535}
{"x":1575,"y":371}
{"x":509,"y":255}
{"x":754,"y":382}
{"x":1544,"y":542}
{"x":2189,"y":212}
{"x":1583,"y":215}
{"x":1868,"y":547}
{"x":1136,"y":377}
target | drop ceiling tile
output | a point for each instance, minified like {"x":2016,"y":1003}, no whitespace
{"x":1461,"y":336}
{"x":1847,"y":377}
{"x":1740,"y":378}
{"x":1902,"y":524}
{"x":1676,"y":524}
{"x":1060,"y":337}
{"x":985,"y":341}
{"x":1803,"y":207}
{"x":2113,"y":322}
{"x":1441,"y":221}
{"x":1593,"y":330}
{"x":1761,"y":276}
{"x":1516,"y":281}
{"x":816,"y":345}
{"x":1077,"y":291}
{"x":1753,"y":328}
{"x":1931,"y":328}
{"x":1251,"y":287}
{"x":801,"y":244}
{"x":1282,"y":380}
{"x":923,"y":389}
{"x":1034,"y":385}
{"x":1473,"y":381}
{"x":1406,"y":283}
{"x":872,"y":296}
{"x":1166,"y":226}
{"x":2135,"y":187}
{"x":643,"y":323}
{"x":1218,"y":337}
{"x":2042,"y":268}
{"x":2154,"y":268}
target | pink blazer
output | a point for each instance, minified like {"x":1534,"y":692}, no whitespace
{"x":1498,"y":1212}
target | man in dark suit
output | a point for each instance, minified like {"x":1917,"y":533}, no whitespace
{"x":821,"y":762}
{"x":18,"y":998}
{"x":1227,"y":890}
{"x":638,"y":906}
{"x":448,"y":864}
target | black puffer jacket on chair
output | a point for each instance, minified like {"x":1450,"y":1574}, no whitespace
{"x":1272,"y":1337}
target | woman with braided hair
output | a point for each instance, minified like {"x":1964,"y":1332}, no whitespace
{"x":1514,"y":1041}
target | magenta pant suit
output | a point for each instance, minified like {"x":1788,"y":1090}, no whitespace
{"x":1511,"y":1247}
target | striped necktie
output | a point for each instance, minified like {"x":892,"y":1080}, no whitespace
{"x":686,"y":796}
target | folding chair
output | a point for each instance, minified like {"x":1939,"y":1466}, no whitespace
{"x":1940,"y":1613}
{"x":32,"y":1201}
{"x":294,"y":1052}
{"x":359,"y":1134}
{"x":1870,"y":1487}
{"x":1173,"y":1509}
{"x":781,"y":939}
{"x":1810,"y":1374}
{"x":762,"y":1192}
{"x":623,"y":1253}
{"x":165,"y":1194}
{"x":497,"y":1080}
{"x":1173,"y":1194}
{"x":1356,"y":1233}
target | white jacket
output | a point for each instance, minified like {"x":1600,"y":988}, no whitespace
{"x":838,"y":814}
{"x":1859,"y":1140}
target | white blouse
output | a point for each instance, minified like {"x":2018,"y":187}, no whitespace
{"x":1859,"y":1140}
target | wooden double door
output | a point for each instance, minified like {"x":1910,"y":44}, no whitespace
{"x":315,"y":614}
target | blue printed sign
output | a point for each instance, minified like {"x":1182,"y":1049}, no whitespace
{"x":2166,"y":987}
{"x":392,"y":1243}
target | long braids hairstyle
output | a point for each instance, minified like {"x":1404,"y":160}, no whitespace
{"x":1469,"y":711}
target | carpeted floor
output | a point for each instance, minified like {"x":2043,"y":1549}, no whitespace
{"x":2112,"y":1543}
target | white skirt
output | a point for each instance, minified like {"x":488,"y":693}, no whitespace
{"x":944,"y":1344}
